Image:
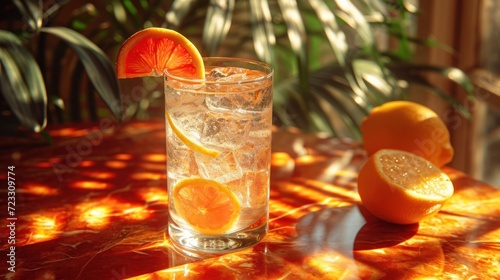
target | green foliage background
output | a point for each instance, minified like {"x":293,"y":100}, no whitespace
{"x":332,"y":59}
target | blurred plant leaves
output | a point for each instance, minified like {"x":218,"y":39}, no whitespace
{"x":178,"y":12}
{"x":22,"y":83}
{"x":330,"y":69}
{"x":97,"y":65}
{"x":415,"y":74}
{"x":297,"y":37}
{"x":350,"y":14}
{"x":339,"y":45}
{"x":32,"y":13}
{"x":217,"y":23}
{"x":264,"y":39}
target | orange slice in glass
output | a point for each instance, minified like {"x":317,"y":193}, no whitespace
{"x":188,"y":142}
{"x":208,"y":206}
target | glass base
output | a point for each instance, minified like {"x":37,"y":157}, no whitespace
{"x":199,"y":245}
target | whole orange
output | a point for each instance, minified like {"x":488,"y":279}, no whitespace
{"x":407,"y":126}
{"x":402,"y":188}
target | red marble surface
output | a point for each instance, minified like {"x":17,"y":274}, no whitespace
{"x":95,"y":207}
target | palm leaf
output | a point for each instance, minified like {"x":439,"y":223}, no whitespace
{"x":264,"y":39}
{"x":31,"y":11}
{"x":319,"y":116}
{"x":22,"y":83}
{"x":351,"y":15}
{"x":297,"y":34}
{"x":380,"y":83}
{"x":288,"y":105}
{"x":406,"y":71}
{"x":217,"y":23}
{"x":339,"y":45}
{"x":340,"y":100}
{"x":97,"y":66}
{"x":413,"y":74}
{"x":374,"y":10}
{"x":177,"y":12}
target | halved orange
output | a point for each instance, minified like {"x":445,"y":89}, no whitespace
{"x":208,"y":206}
{"x":401,"y":187}
{"x":153,"y":50}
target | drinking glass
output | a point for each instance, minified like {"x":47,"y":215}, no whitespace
{"x":218,"y":132}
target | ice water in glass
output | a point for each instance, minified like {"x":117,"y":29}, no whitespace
{"x":230,"y":113}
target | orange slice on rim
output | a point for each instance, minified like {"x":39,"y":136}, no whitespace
{"x":208,"y":206}
{"x":151,"y":51}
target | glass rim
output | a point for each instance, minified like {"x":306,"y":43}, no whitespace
{"x":264,"y":66}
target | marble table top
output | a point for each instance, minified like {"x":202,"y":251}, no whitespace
{"x":93,"y":205}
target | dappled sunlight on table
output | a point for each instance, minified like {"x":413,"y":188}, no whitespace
{"x":97,"y":205}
